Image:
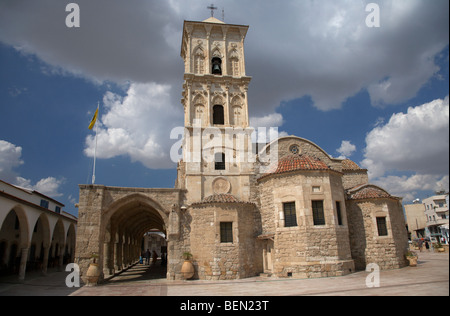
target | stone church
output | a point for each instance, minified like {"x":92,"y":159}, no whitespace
{"x":286,"y":210}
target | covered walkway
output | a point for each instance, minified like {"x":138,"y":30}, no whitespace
{"x":140,"y":273}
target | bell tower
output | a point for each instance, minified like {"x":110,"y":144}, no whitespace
{"x":213,"y":54}
{"x":215,"y":102}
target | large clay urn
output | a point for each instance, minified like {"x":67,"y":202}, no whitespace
{"x":93,"y":274}
{"x":412,"y":261}
{"x":187,"y":270}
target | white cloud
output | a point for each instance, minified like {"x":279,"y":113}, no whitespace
{"x":138,"y":126}
{"x":49,"y":186}
{"x":346,"y":150}
{"x":416,"y":141}
{"x":321,"y":49}
{"x":10,"y":158}
{"x":271,"y":120}
{"x":408,"y":187}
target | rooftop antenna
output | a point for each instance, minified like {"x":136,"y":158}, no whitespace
{"x":212,"y":8}
{"x":223,"y":14}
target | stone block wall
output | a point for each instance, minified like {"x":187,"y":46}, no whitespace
{"x":366,"y":245}
{"x":215,"y":260}
{"x":306,"y":250}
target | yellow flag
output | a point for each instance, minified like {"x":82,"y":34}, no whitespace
{"x":94,"y":119}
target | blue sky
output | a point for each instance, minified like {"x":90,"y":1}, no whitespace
{"x":378,"y":96}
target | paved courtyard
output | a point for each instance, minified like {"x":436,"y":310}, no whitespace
{"x":430,"y":277}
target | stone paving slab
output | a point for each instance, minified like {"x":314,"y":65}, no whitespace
{"x":429,"y":278}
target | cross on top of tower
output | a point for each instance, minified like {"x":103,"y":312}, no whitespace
{"x":212,"y":8}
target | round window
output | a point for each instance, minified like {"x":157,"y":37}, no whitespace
{"x":294,"y":149}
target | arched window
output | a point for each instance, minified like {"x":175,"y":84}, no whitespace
{"x":218,"y":115}
{"x":219,"y":161}
{"x":216,"y":63}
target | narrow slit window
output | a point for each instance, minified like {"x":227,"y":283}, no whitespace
{"x":226,"y":232}
{"x":382,"y":227}
{"x":219,"y":161}
{"x":290,"y":215}
{"x":218,"y":115}
{"x":339,"y":213}
{"x":318,"y":213}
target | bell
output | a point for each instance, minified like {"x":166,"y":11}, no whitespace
{"x":216,"y":69}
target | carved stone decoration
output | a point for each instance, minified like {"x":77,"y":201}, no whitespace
{"x":217,"y":50}
{"x":221,"y":186}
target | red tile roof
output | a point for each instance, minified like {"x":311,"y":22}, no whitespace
{"x":297,"y":162}
{"x":348,"y":164}
{"x":367,"y":192}
{"x":221,"y":198}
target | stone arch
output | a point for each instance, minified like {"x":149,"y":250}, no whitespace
{"x":218,"y":100}
{"x":40,"y":242}
{"x":58,"y":242}
{"x":23,"y":225}
{"x":124,"y":224}
{"x":14,"y":236}
{"x":133,"y":200}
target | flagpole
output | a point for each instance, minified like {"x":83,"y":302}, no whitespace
{"x":95,"y":149}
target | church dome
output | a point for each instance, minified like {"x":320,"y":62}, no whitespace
{"x":367,"y":191}
{"x":300,"y":162}
{"x":295,"y":163}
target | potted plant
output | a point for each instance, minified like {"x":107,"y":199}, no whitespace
{"x":412,"y":258}
{"x":438,"y":247}
{"x":187,"y":270}
{"x":93,"y":273}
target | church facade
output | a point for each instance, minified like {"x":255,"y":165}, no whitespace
{"x":286,"y":210}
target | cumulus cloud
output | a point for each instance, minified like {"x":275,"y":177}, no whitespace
{"x":409,"y":186}
{"x":321,"y":49}
{"x":137,"y":125}
{"x":11,"y":158}
{"x":270,"y":120}
{"x":346,"y":150}
{"x":416,"y":141}
{"x":116,"y":41}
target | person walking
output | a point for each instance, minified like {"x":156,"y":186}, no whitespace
{"x":155,"y":257}
{"x":147,"y":257}
{"x":420,"y":242}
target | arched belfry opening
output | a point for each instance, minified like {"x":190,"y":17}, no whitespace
{"x":216,"y":63}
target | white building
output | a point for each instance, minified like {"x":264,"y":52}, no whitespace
{"x":35,"y":232}
{"x":416,"y":219}
{"x":436,"y":212}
